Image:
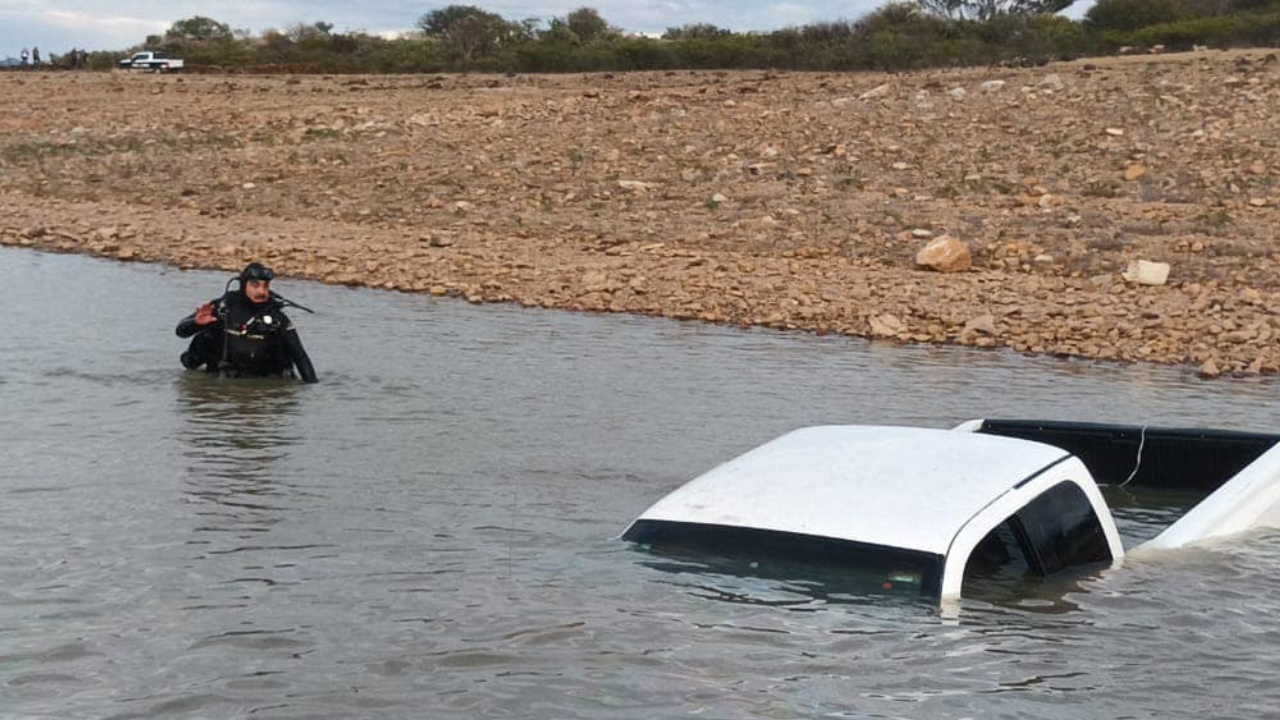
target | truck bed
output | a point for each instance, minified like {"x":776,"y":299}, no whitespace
{"x":1194,"y":460}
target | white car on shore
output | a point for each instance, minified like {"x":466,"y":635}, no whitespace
{"x":153,"y":60}
{"x":914,"y":509}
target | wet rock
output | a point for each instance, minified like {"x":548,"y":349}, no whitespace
{"x":945,"y":254}
{"x":885,"y":326}
{"x":1209,"y":369}
{"x":985,"y":324}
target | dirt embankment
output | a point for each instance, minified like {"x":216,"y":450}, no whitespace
{"x":781,"y":199}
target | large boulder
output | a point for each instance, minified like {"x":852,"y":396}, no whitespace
{"x":945,"y":254}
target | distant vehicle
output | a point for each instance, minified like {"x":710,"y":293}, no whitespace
{"x":153,"y":60}
{"x":911,"y":508}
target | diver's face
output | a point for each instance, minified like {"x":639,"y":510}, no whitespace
{"x":257,"y":290}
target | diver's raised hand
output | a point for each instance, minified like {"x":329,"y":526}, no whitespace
{"x":205,"y":315}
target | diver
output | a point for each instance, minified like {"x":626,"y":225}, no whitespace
{"x":245,"y":333}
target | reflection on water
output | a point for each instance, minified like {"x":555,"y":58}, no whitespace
{"x":236,"y":428}
{"x":233,"y":433}
{"x":801,"y":587}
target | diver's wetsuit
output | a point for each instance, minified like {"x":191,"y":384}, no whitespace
{"x":258,"y":340}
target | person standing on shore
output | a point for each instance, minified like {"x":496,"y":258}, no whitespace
{"x":35,"y":56}
{"x":25,"y":55}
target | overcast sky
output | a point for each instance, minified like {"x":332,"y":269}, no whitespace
{"x":58,"y":25}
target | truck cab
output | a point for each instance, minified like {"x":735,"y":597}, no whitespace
{"x":917,"y":509}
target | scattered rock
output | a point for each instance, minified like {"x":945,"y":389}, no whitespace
{"x":636,"y":185}
{"x":1145,"y":272}
{"x":878,"y":91}
{"x":1134,"y":171}
{"x":992,"y":85}
{"x":1051,"y":82}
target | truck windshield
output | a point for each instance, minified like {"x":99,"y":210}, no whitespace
{"x":859,"y":567}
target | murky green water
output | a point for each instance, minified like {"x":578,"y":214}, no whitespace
{"x":430,"y":532}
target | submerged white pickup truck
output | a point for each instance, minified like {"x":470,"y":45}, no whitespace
{"x":153,"y":60}
{"x":916,"y":509}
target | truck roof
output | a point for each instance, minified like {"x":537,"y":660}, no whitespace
{"x":909,"y":488}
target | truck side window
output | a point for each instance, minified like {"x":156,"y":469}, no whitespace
{"x":1053,"y":532}
{"x":999,"y":555}
{"x":1059,"y":529}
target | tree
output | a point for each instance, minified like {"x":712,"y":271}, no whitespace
{"x":695,"y":31}
{"x":558,"y":33}
{"x":470,"y":30}
{"x":988,"y":9}
{"x":313,"y":31}
{"x":199,"y":27}
{"x":1134,"y":14}
{"x":587,"y":24}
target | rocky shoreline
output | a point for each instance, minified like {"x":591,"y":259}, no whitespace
{"x":793,"y":201}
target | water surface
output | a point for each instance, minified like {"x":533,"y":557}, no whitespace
{"x":431,"y":530}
